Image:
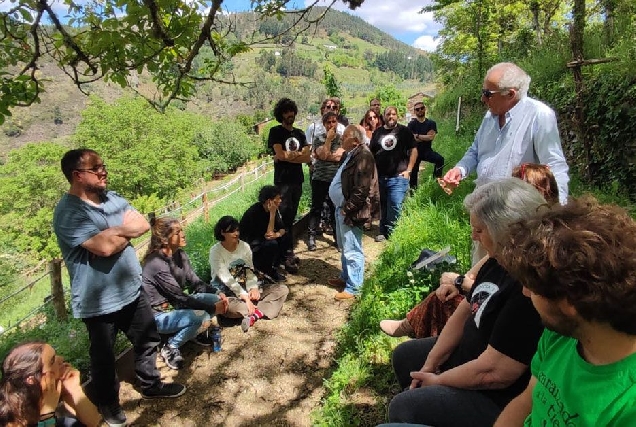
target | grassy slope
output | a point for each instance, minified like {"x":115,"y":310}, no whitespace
{"x":362,"y":384}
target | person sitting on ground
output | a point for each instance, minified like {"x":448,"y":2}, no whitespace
{"x":429,"y":317}
{"x":233,"y":274}
{"x":479,"y":362}
{"x":166,"y":273}
{"x":35,"y":381}
{"x":262,"y":228}
{"x":577,"y":265}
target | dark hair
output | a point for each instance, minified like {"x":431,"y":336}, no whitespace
{"x":327,"y":116}
{"x":324,"y":104}
{"x":283,"y":106}
{"x":72,"y":159}
{"x":20,"y":387}
{"x":268,"y":192}
{"x":582,"y":252}
{"x":226,"y":224}
{"x":364,"y":123}
{"x":541,"y":177}
{"x":161,"y":230}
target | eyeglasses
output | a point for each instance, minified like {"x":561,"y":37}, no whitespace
{"x":375,"y":105}
{"x":419,"y":109}
{"x":97,"y":169}
{"x":331,"y":107}
{"x":487,"y":93}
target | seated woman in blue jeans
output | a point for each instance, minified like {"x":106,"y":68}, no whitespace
{"x":480,"y":361}
{"x":166,"y":273}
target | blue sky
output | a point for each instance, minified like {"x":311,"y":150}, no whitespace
{"x":400,"y":18}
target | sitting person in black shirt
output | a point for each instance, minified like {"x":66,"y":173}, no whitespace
{"x":480,"y":361}
{"x":262,"y":228}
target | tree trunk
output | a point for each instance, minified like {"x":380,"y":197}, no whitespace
{"x":577,"y":30}
{"x":534,"y":9}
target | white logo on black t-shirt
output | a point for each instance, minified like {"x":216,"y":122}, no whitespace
{"x":388,"y":142}
{"x":480,"y":298}
{"x":292,"y":144}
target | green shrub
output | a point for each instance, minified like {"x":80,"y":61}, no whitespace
{"x":223,"y":146}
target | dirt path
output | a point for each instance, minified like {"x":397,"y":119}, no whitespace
{"x":271,"y":376}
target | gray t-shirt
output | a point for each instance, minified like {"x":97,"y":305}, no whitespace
{"x":99,"y":285}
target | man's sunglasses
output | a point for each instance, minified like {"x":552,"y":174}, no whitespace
{"x":97,"y":169}
{"x":419,"y":109}
{"x":331,"y":107}
{"x":487,"y":93}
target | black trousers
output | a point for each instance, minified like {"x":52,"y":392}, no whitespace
{"x":137,"y":322}
{"x":267,"y":255}
{"x":288,"y":208}
{"x":431,"y":157}
{"x":320,"y":192}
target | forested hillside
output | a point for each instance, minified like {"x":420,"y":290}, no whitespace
{"x":361,"y":57}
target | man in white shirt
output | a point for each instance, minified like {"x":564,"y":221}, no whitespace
{"x":516,"y":129}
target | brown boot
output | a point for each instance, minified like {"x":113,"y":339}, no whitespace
{"x":397,"y":328}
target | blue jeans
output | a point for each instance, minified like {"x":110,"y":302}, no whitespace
{"x":184,"y":323}
{"x":351,"y":255}
{"x":392,"y":192}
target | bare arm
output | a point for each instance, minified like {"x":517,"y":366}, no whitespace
{"x":448,"y":339}
{"x":412,"y":160}
{"x":303,"y":156}
{"x":114,"y":239}
{"x":430,"y":136}
{"x":515,"y":413}
{"x":491,"y":370}
{"x":323,"y":153}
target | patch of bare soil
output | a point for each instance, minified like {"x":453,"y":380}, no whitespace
{"x":273,"y":374}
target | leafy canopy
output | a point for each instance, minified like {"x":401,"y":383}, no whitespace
{"x":116,"y":40}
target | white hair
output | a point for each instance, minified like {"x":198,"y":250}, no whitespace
{"x":512,"y":77}
{"x":501,"y":203}
{"x":357,"y":133}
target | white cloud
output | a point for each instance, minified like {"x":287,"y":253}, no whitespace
{"x":427,"y":43}
{"x":396,"y":17}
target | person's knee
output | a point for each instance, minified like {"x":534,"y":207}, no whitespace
{"x":401,"y":408}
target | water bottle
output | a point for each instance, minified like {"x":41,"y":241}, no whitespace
{"x":216,"y":339}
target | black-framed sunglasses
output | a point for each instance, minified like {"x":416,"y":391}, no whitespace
{"x":419,"y":109}
{"x":331,"y":107}
{"x":487,"y":93}
{"x":97,"y":169}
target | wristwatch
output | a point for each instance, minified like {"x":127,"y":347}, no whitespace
{"x":459,"y":281}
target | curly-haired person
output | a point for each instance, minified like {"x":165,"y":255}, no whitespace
{"x":577,"y":265}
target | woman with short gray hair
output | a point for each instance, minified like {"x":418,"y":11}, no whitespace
{"x":480,"y":361}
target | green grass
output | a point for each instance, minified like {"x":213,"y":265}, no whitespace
{"x":430,"y":219}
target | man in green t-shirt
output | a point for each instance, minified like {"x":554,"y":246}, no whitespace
{"x":577,"y":264}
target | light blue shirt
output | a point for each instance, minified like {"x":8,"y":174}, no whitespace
{"x":335,"y":189}
{"x":99,"y":285}
{"x":530,"y":135}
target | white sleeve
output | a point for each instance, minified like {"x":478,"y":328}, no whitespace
{"x":547,"y":147}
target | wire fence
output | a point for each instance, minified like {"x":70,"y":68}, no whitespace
{"x":198,"y":205}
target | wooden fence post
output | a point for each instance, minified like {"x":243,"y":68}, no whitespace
{"x":57,"y":291}
{"x":206,"y":207}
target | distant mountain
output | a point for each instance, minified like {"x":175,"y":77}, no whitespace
{"x":362,"y":57}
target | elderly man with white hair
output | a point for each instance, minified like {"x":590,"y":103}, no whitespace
{"x":516,"y":129}
{"x":355,"y":194}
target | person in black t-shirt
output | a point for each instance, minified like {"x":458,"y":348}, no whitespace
{"x":480,"y":361}
{"x":424,"y":131}
{"x":289,"y":147}
{"x":395,"y":153}
{"x":262,"y":228}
